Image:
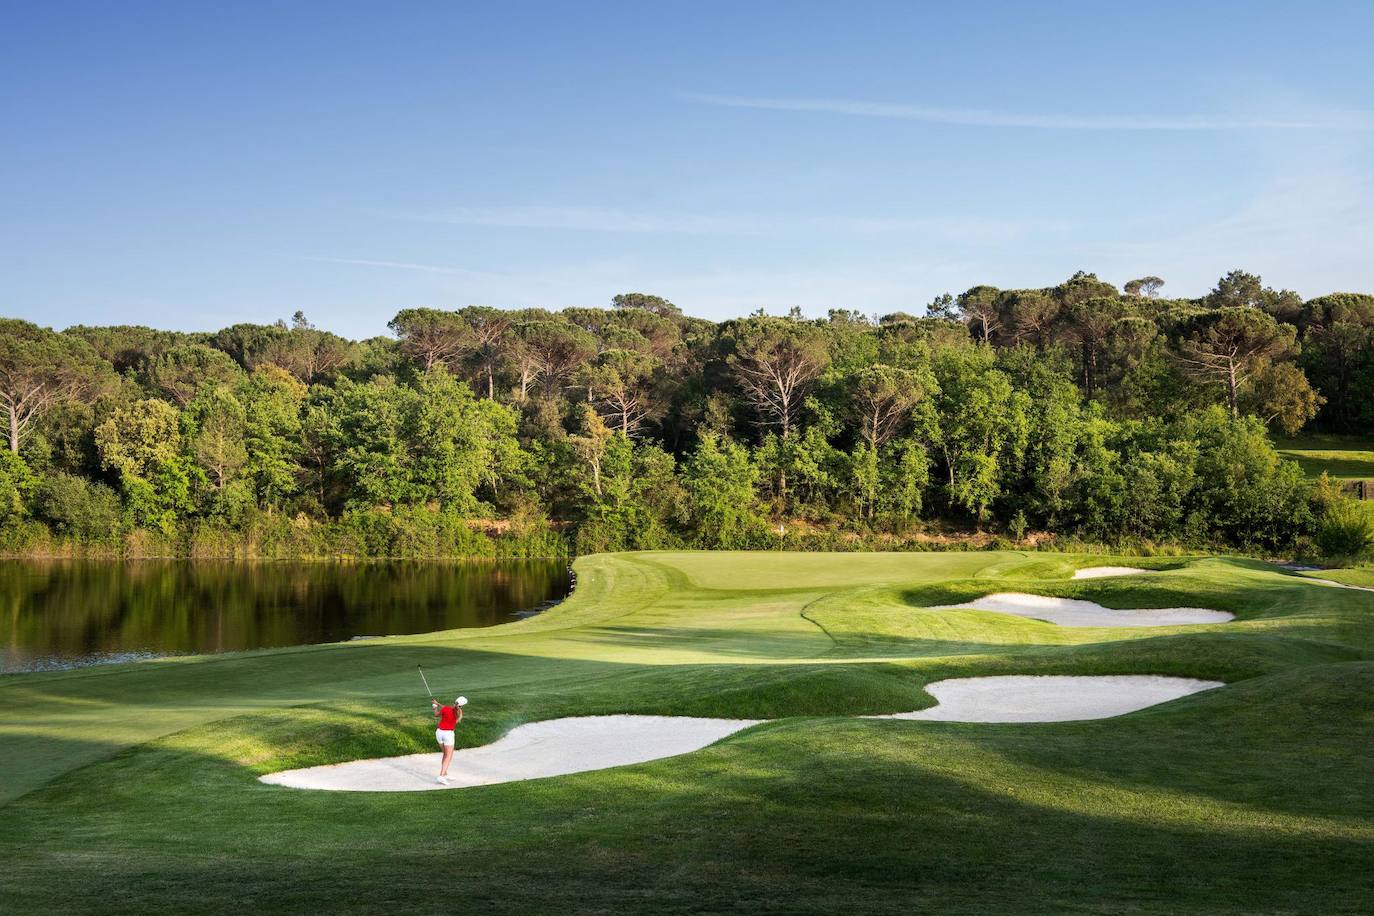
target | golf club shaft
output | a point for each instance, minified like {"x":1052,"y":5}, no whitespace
{"x":426,"y":680}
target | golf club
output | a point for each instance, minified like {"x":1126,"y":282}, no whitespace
{"x":426,"y":680}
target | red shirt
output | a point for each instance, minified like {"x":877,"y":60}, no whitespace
{"x":448,"y":718}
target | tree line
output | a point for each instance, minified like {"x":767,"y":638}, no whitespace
{"x":1080,"y":410}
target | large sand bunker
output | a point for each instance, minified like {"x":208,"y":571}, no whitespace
{"x":1053,"y":698}
{"x":1072,"y":612}
{"x":558,"y":747}
{"x":555,"y":747}
{"x":1101,"y":572}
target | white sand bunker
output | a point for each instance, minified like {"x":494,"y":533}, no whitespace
{"x":1020,"y":698}
{"x":1072,"y":612}
{"x":555,"y":747}
{"x":558,"y":747}
{"x":1101,"y":572}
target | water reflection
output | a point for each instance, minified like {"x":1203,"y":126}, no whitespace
{"x":62,"y":613}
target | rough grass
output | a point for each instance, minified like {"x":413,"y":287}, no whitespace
{"x":132,"y":788}
{"x":1342,"y":457}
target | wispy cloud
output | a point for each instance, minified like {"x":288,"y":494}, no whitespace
{"x":399,"y":265}
{"x":613,"y":220}
{"x":976,"y":117}
{"x":590,"y":219}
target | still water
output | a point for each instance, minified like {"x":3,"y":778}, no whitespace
{"x":69,"y":613}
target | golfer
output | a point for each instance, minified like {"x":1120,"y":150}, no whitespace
{"x":449,"y":717}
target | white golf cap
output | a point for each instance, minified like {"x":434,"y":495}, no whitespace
{"x":462,"y":701}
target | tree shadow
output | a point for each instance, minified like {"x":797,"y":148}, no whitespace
{"x":795,"y":816}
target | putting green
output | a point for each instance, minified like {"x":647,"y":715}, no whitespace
{"x":138,"y":783}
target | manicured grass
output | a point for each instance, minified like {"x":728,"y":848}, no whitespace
{"x":133,"y":788}
{"x":1342,"y":457}
{"x":1362,"y":577}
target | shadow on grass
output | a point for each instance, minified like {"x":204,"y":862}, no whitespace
{"x":795,"y":816}
{"x":1310,"y":732}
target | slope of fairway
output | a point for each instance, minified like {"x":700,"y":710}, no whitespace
{"x":135,"y":787}
{"x":1342,"y":457}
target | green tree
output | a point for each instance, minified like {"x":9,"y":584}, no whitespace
{"x":655,"y":305}
{"x":556,"y":350}
{"x":1031,"y":316}
{"x":78,"y":508}
{"x":1338,"y":353}
{"x":128,"y":347}
{"x":1226,"y":346}
{"x":39,"y":369}
{"x":307,"y":352}
{"x":638,"y":500}
{"x":1244,"y":492}
{"x":142,"y":443}
{"x":1239,"y":289}
{"x":367,"y":431}
{"x":1091,"y":322}
{"x":272,"y":401}
{"x":1145,"y":287}
{"x":302,"y":350}
{"x":183,"y":370}
{"x":590,"y":447}
{"x":490,"y":330}
{"x":719,"y":481}
{"x":775,"y":361}
{"x":432,"y":338}
{"x":462,"y":447}
{"x":620,"y":384}
{"x":865,"y":478}
{"x":215,"y":425}
{"x":904,"y":474}
{"x":1278,"y":393}
{"x":981,"y":309}
{"x":1039,"y":477}
{"x":982,"y":421}
{"x":883,"y":400}
{"x":17,"y":485}
{"x":804,"y":471}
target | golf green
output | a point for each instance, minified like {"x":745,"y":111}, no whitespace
{"x":134,"y":787}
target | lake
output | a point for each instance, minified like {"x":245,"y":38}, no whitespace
{"x":71,"y":613}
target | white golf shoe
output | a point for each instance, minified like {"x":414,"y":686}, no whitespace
{"x":442,"y":780}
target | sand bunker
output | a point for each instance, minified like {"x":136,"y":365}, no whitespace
{"x":1100,"y":572}
{"x":558,"y":747}
{"x":1072,"y":612}
{"x":555,"y":747}
{"x":1020,"y":698}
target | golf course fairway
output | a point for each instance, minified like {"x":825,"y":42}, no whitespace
{"x":135,"y":787}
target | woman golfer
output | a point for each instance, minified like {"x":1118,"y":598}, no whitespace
{"x":449,"y":717}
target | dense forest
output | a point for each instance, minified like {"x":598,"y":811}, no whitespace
{"x":1074,"y":412}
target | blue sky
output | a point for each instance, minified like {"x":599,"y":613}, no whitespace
{"x":193,"y":165}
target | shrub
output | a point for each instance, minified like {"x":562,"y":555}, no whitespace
{"x":1018,"y":526}
{"x":1346,"y":531}
{"x":16,"y":483}
{"x":78,"y":508}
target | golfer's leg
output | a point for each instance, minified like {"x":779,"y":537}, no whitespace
{"x":448,"y":755}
